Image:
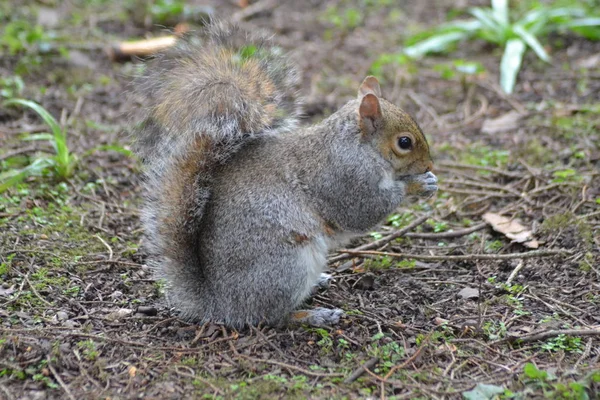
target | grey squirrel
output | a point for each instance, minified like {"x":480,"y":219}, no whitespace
{"x":242,"y":205}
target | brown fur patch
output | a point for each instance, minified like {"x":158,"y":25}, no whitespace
{"x":328,"y":228}
{"x":398,"y":123}
{"x":300,"y":237}
{"x":299,"y":315}
{"x":178,"y":197}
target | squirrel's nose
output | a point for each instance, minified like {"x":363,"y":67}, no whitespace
{"x":429,"y":167}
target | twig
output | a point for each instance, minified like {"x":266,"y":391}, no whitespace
{"x":477,"y":192}
{"x":110,"y":251}
{"x":430,"y":110}
{"x":46,"y":302}
{"x":586,"y":353}
{"x":17,"y":152}
{"x":515,"y":271}
{"x":361,"y":370}
{"x":498,"y":171}
{"x":446,"y":235}
{"x":60,"y":381}
{"x":378,"y":243}
{"x":196,"y":377}
{"x":254,"y":9}
{"x":408,"y":360}
{"x":592,"y":214}
{"x":465,"y":257}
{"x":496,"y":88}
{"x":550,"y":334}
{"x":8,"y":394}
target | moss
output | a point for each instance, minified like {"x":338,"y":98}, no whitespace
{"x":568,"y":221}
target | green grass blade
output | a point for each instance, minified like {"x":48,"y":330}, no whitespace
{"x":486,"y":17}
{"x":532,"y":42}
{"x":578,"y":23}
{"x":435,"y":44}
{"x":468,"y":25}
{"x":59,"y":141}
{"x":35,"y":168}
{"x":491,"y":29}
{"x":562,"y":12}
{"x":38,"y":136}
{"x":511,"y":64}
{"x":41,"y":111}
{"x":500,"y":8}
{"x":110,"y":147}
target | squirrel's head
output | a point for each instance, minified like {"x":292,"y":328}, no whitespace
{"x":396,"y":135}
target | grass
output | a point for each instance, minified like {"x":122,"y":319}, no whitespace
{"x":500,"y":26}
{"x":61,"y":164}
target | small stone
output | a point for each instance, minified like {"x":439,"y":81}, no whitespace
{"x":469,"y":293}
{"x":71,"y":324}
{"x":119,"y":314}
{"x":116,"y":294}
{"x":146,"y":310}
{"x":62,"y":316}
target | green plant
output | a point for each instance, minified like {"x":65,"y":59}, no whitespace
{"x":89,"y":349}
{"x":438,"y":226}
{"x":19,"y":36}
{"x":460,"y":68}
{"x":11,"y":86}
{"x":345,"y":20}
{"x":535,"y":378}
{"x":163,"y":11}
{"x":61,"y":164}
{"x":564,"y":343}
{"x":515,"y":34}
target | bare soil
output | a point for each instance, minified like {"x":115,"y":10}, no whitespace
{"x":447,"y":306}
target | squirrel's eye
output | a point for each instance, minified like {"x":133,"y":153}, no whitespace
{"x":405,"y":143}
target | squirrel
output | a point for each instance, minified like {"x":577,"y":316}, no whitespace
{"x":241,"y":204}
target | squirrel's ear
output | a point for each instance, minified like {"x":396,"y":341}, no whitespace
{"x":369,"y":114}
{"x":369,"y":85}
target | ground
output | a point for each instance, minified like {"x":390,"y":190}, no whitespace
{"x":440,"y":308}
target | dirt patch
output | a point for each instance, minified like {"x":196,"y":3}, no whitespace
{"x":433,"y":312}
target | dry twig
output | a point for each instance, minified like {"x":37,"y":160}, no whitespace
{"x":383,"y":241}
{"x":465,"y":257}
{"x":534,"y":337}
{"x":361,"y":370}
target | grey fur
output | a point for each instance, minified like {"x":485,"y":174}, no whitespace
{"x":254,"y":240}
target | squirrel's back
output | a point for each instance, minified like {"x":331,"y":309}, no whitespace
{"x":202,"y":100}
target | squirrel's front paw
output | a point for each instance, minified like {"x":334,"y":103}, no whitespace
{"x":422,"y":185}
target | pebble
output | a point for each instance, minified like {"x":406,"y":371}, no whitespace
{"x":62,"y":316}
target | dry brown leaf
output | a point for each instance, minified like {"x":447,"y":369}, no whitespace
{"x":507,"y":122}
{"x":512,"y":229}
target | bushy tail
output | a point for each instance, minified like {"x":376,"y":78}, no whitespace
{"x":201,"y":101}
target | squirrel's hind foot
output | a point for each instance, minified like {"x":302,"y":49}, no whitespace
{"x":319,"y":316}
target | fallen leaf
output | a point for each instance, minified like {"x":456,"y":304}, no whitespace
{"x":483,"y":392}
{"x":507,"y":122}
{"x":120,"y":313}
{"x":588,"y":62}
{"x":132,"y":371}
{"x":469,"y":293}
{"x":512,"y":229}
{"x":7,"y":292}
